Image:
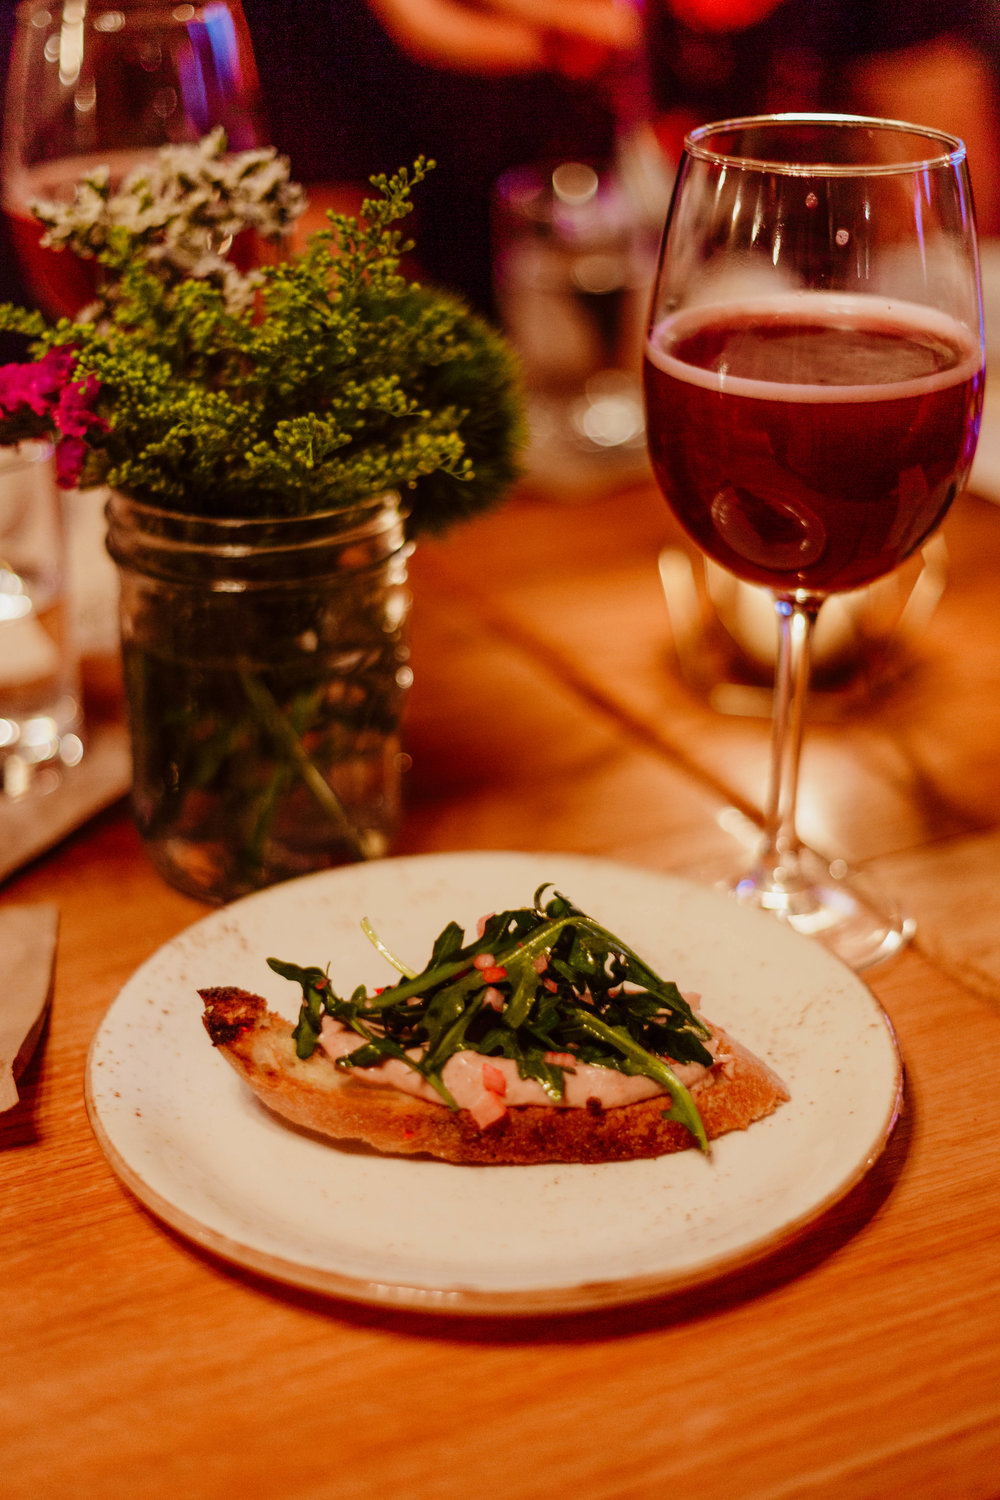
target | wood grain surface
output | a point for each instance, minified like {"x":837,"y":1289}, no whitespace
{"x":548,"y":712}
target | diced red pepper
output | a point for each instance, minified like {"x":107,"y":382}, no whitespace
{"x":494,"y":1079}
{"x":494,"y":974}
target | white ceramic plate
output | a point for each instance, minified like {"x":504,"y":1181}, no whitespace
{"x":189,"y":1139}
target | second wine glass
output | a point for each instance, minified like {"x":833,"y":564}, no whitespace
{"x":108,"y":86}
{"x":813,"y":378}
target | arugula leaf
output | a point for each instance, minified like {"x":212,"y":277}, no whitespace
{"x":376,"y":941}
{"x":314,"y":982}
{"x":566,"y":985}
{"x":683,"y":1106}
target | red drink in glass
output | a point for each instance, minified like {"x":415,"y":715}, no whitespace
{"x":61,"y":283}
{"x":811,"y":442}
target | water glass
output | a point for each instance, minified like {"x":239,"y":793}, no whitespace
{"x":573,"y":266}
{"x":40,"y":715}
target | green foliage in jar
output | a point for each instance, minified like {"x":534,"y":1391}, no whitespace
{"x":339,"y":378}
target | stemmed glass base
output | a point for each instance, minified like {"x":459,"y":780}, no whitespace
{"x":839,"y":907}
{"x":824,"y":900}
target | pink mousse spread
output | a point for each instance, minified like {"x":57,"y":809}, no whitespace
{"x":487,"y":1086}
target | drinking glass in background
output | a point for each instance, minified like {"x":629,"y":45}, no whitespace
{"x":90,"y":87}
{"x":39,"y":687}
{"x":814,"y":383}
{"x":575,"y":237}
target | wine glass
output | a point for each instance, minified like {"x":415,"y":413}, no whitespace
{"x":108,"y":86}
{"x":813,"y":381}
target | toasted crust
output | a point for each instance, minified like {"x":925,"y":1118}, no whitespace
{"x":314,"y":1093}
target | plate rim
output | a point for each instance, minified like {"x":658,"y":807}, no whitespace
{"x":567,"y":1297}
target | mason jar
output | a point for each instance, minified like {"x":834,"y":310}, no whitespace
{"x":265,"y":665}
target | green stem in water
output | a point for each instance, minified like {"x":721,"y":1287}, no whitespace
{"x":289,"y":744}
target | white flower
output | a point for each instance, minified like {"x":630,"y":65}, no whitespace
{"x":184,"y":208}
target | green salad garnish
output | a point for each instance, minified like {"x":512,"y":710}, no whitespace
{"x":556,"y":982}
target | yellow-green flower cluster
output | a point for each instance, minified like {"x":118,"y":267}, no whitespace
{"x":341,"y":379}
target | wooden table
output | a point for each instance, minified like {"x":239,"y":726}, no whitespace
{"x":548,"y":712}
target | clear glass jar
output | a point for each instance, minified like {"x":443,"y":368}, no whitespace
{"x":266,"y":667}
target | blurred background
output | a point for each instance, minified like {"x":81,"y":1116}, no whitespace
{"x":350,"y":87}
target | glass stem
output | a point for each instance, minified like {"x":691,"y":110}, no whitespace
{"x":778,"y":858}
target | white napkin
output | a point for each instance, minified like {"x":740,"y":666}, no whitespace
{"x":27,"y":952}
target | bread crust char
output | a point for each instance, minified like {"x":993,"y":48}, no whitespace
{"x":314,"y":1093}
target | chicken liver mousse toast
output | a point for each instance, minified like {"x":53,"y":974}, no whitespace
{"x":546,"y":1038}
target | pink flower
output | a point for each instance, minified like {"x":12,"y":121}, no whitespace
{"x":44,"y":400}
{"x":73,"y":414}
{"x":71,"y":453}
{"x":37,"y":385}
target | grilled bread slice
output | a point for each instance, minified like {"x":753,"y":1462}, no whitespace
{"x":318,"y":1095}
